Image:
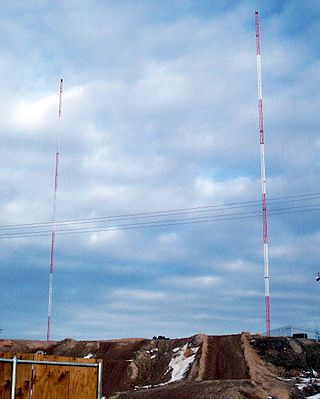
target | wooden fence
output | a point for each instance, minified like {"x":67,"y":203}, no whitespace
{"x":50,"y":381}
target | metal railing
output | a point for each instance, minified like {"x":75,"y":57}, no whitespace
{"x":15,"y":361}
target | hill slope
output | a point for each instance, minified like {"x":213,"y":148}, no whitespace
{"x":240,"y":366}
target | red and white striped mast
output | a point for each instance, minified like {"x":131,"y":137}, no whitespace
{"x":56,"y":176}
{"x":263,"y":179}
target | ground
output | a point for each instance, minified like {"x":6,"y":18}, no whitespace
{"x":240,"y":366}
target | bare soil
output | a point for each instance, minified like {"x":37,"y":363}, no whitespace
{"x":241,"y":366}
{"x":224,"y":359}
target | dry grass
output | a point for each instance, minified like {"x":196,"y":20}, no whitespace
{"x":203,"y":359}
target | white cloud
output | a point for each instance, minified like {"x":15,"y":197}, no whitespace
{"x":104,"y":237}
{"x":33,"y":115}
{"x":137,"y":294}
{"x":16,"y":212}
{"x":221,"y":191}
{"x":191,"y":282}
{"x":161,"y":86}
{"x":246,"y":293}
{"x":238,"y":265}
{"x":129,"y":166}
{"x":170,"y":238}
{"x":279,"y":251}
{"x":114,"y":192}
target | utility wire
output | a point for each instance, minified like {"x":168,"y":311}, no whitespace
{"x":164,"y":223}
{"x":163,"y":213}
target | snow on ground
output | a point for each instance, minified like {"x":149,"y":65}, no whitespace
{"x":305,"y":383}
{"x":146,"y":386}
{"x":302,"y":382}
{"x":180,"y":362}
{"x":176,"y":349}
{"x":178,"y":366}
{"x":89,"y":356}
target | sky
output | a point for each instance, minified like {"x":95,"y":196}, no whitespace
{"x":159,"y":113}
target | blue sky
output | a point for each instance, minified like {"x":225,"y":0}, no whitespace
{"x":159,"y":113}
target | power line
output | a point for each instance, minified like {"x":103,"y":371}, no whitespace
{"x":163,"y":213}
{"x":164,"y":223}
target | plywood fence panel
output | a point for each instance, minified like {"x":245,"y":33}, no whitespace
{"x":83,"y":381}
{"x":5,"y":377}
{"x":48,"y":381}
{"x":51,"y":382}
{"x":24,"y":377}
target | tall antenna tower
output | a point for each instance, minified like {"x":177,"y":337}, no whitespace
{"x":56,"y":176}
{"x":263,"y":180}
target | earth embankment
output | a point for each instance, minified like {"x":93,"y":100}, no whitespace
{"x":240,"y":366}
{"x":224,"y":359}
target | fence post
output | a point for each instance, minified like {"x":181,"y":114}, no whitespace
{"x":13,"y":377}
{"x":99,"y":387}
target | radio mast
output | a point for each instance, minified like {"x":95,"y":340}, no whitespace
{"x":263,"y":179}
{"x":56,"y":176}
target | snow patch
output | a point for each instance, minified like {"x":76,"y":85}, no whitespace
{"x":145,"y":387}
{"x":89,"y":356}
{"x":307,"y":382}
{"x":181,"y":362}
{"x":176,"y":349}
{"x":178,"y":366}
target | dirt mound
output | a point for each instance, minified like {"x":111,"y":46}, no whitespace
{"x":118,"y":370}
{"x":197,"y":390}
{"x":224,"y":359}
{"x":288,"y":355}
{"x":27,"y":346}
{"x":221,"y":367}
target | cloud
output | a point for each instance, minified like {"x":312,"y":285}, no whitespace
{"x":31,"y":114}
{"x":139,"y":294}
{"x":159,"y":113}
{"x":161,"y":87}
{"x":102,"y":238}
{"x":237,"y":265}
{"x":223,"y":191}
{"x":194,"y":282}
{"x":105,"y":193}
